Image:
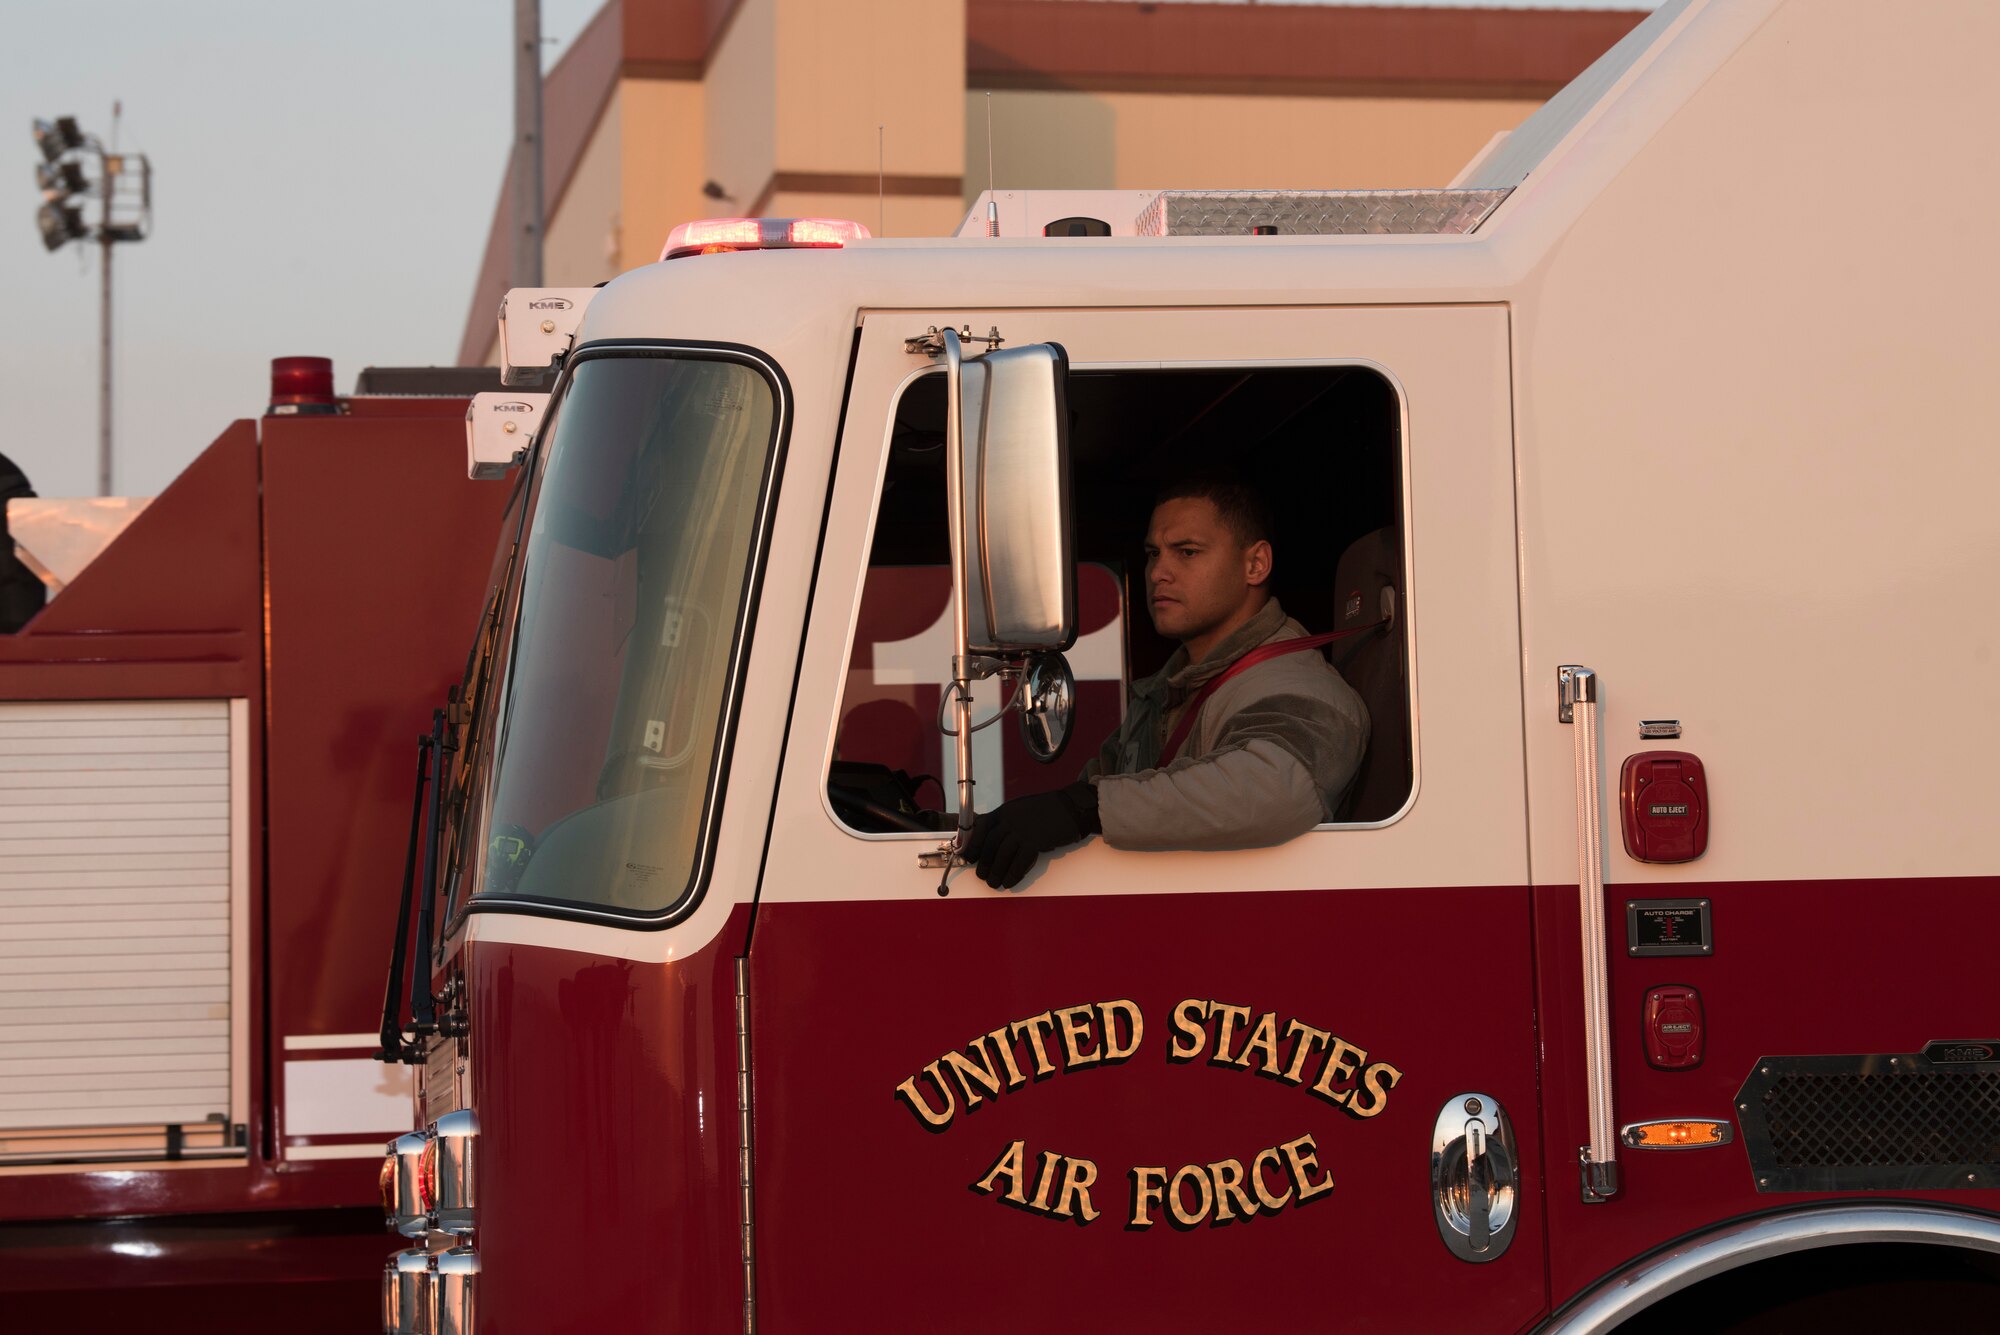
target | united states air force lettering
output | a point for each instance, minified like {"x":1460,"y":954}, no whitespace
{"x":1246,"y":1184}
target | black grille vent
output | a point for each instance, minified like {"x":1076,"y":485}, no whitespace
{"x":1871,"y":1123}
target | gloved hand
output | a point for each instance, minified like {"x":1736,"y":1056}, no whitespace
{"x":1005,"y":842}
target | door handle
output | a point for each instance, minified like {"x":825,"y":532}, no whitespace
{"x":1478,"y":1185}
{"x":1475,"y":1178}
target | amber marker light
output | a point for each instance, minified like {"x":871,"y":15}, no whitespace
{"x":1683,"y":1134}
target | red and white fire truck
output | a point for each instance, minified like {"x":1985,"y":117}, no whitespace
{"x":1643,"y":977}
{"x":201,"y":833}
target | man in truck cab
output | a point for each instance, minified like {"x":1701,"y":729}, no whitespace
{"x":1246,"y":738}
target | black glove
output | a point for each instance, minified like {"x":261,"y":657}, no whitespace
{"x":1005,"y":842}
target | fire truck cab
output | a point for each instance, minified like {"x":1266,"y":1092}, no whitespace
{"x":1642,"y":961}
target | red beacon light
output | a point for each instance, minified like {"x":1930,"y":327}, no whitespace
{"x":302,"y":385}
{"x":712,"y":236}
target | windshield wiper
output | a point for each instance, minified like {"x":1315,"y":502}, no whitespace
{"x":395,"y":1047}
{"x":423,"y":1007}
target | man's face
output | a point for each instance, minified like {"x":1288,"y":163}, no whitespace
{"x":1201,"y":581}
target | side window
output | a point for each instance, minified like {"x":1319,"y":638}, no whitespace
{"x":889,"y":747}
{"x":1324,"y":444}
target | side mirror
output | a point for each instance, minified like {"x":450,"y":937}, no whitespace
{"x":1020,"y":582}
{"x":1007,"y":492}
{"x":1048,"y":705}
{"x":498,"y":429}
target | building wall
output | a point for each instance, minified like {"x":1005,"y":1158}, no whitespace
{"x":582,"y":245}
{"x":899,"y":214}
{"x":741,"y":86}
{"x":852,"y":66}
{"x":1054,"y":139}
{"x":575,"y":96}
{"x":584,"y":241}
{"x":778,"y":103}
{"x":663,"y":149}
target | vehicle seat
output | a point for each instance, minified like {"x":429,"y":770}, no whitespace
{"x":889,"y":733}
{"x":1368,"y":587}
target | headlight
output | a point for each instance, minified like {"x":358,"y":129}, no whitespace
{"x":454,"y":1140}
{"x":452,"y":1291}
{"x":401,"y":1172}
{"x":407,"y":1285}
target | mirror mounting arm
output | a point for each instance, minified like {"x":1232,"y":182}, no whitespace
{"x":930,"y":343}
{"x":969,"y":668}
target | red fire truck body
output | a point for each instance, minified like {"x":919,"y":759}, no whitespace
{"x":202,"y":817}
{"x":1641,"y":968}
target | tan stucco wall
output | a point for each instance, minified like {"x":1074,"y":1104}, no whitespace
{"x":582,"y":245}
{"x":796,"y":89}
{"x":846,"y":68}
{"x":905,"y":215}
{"x":1194,"y":141}
{"x":662,"y":149}
{"x":741,"y":85}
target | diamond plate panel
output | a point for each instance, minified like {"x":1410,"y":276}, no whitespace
{"x":1317,"y":212}
{"x":1871,"y":1123}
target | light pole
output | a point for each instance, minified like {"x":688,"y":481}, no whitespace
{"x":123,"y":185}
{"x":526,"y":269}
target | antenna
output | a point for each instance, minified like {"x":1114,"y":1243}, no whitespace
{"x":881,"y":188}
{"x":992,"y":202}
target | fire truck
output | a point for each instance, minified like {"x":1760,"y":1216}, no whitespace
{"x":201,"y":827}
{"x":1640,"y":982}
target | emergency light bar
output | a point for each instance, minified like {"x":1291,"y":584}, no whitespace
{"x":711,"y":236}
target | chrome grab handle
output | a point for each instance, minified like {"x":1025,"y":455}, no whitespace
{"x":961,"y":681}
{"x":1576,"y":695}
{"x":1478,"y":1185}
{"x":1475,"y":1183}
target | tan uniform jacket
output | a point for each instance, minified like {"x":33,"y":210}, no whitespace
{"x":1270,"y":755}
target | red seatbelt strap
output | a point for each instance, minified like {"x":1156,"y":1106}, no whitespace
{"x":1262,"y":653}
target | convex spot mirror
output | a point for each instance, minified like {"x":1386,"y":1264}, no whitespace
{"x":1020,"y":582}
{"x":1048,"y":705}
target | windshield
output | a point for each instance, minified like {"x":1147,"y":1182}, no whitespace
{"x":633,"y":583}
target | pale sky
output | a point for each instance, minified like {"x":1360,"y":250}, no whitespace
{"x":324,"y":176}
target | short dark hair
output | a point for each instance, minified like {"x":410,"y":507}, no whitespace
{"x":1237,"y":503}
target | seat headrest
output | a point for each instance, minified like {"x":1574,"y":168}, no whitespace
{"x":1366,"y":580}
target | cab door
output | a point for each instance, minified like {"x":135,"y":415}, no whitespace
{"x":1171,"y":1091}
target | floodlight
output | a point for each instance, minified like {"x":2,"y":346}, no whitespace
{"x":45,"y":139}
{"x":66,"y":182}
{"x":59,"y":180}
{"x":60,"y":224}
{"x":57,"y":137}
